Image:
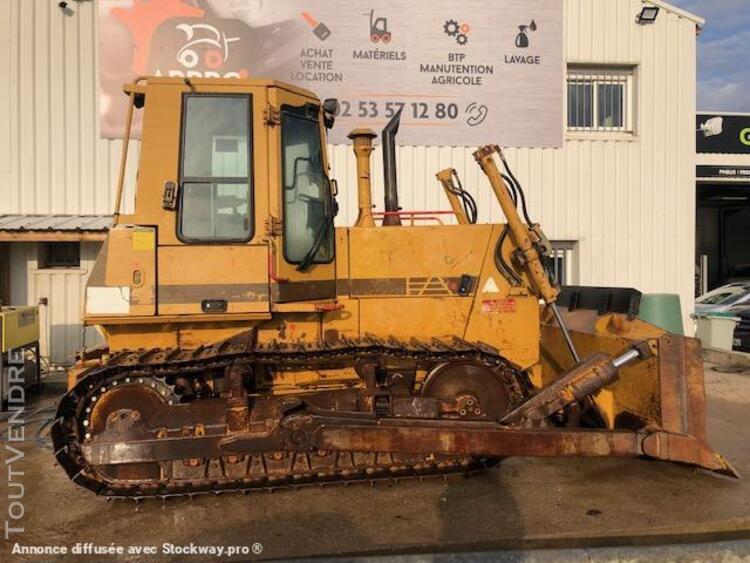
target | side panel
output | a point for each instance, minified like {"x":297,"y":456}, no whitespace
{"x":123,"y":281}
{"x":503,"y":316}
{"x":414,"y":261}
{"x":422,"y":318}
{"x":407,"y":281}
{"x":192,"y":274}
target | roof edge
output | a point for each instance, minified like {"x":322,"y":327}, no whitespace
{"x":678,"y":11}
{"x":721,"y":113}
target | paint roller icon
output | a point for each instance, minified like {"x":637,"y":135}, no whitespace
{"x":320,"y":30}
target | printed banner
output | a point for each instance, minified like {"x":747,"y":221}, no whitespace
{"x":462,"y":72}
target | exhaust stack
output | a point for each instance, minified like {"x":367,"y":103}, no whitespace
{"x":362,"y":140}
{"x":390,"y":175}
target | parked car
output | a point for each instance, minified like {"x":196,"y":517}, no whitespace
{"x":724,"y":297}
{"x":742,"y":330}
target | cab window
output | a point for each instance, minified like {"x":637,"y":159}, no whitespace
{"x":215,"y":175}
{"x":308,"y":213}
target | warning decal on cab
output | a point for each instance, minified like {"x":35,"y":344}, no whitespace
{"x":499,"y":306}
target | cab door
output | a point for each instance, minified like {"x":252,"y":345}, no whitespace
{"x":216,"y":259}
{"x":302,"y":205}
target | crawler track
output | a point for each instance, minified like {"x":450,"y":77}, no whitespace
{"x":270,"y":470}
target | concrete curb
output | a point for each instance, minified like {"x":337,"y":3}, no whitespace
{"x":726,"y":358}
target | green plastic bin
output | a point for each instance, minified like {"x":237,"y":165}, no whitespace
{"x":662,"y":310}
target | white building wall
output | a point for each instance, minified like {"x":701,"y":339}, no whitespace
{"x":62,"y":289}
{"x":722,"y":159}
{"x":628,"y":202}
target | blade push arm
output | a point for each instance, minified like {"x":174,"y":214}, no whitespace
{"x":521,"y":233}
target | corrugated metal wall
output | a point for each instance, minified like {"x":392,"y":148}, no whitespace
{"x":629,"y":203}
{"x":51,"y":157}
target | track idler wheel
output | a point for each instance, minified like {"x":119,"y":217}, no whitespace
{"x":469,"y":390}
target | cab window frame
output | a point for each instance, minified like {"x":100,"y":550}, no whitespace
{"x":248,"y":180}
{"x":289,"y":108}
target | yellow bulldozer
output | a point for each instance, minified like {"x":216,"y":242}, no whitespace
{"x":252,"y":344}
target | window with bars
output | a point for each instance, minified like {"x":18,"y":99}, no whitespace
{"x":562,"y":260}
{"x":600,"y":100}
{"x":59,"y":255}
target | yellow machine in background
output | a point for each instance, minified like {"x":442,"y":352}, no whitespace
{"x":250,"y":343}
{"x":19,"y":332}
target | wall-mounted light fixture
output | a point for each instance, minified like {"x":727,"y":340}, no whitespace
{"x":648,"y":15}
{"x":65,"y":6}
{"x":712,"y":127}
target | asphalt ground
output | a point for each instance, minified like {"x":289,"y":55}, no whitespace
{"x":539,"y":504}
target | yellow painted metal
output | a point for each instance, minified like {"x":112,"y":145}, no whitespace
{"x":421,"y":282}
{"x":362,"y":141}
{"x":20,"y":327}
{"x":445,"y":177}
{"x":320,"y":277}
{"x":177,"y":332}
{"x":133,"y":267}
{"x":124,"y":157}
{"x":504,"y":316}
{"x":636,"y":395}
{"x":520,"y":233}
{"x":192,"y":274}
{"x":416,"y":253}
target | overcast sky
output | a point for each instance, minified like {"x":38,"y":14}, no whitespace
{"x":723,"y":53}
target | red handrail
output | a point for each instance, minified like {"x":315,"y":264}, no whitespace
{"x":413,"y":216}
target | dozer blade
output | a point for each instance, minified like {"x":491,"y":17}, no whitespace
{"x":662,"y":396}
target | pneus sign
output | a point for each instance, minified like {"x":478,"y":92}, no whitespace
{"x":463,"y":72}
{"x":723,"y":133}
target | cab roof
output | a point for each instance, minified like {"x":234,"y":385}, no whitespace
{"x":140,"y":83}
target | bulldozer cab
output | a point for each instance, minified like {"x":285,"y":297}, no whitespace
{"x":234,"y":210}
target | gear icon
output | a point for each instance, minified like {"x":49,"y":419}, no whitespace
{"x":461,"y":39}
{"x":451,"y":28}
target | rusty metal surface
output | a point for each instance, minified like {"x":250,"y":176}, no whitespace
{"x":577,"y":384}
{"x":129,"y":465}
{"x":673,"y":385}
{"x":486,"y":441}
{"x":686,"y":449}
{"x":154,"y":444}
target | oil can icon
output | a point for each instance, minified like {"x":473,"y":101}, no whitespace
{"x":522,"y":39}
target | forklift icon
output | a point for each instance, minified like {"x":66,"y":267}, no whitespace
{"x":378,"y":29}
